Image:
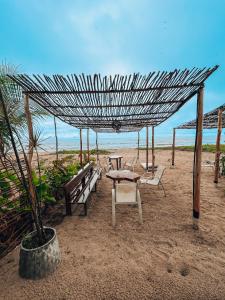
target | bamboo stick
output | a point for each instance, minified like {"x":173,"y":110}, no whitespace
{"x":217,"y":155}
{"x":197,"y":160}
{"x":173,"y":146}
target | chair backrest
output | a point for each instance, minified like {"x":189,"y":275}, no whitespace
{"x":109,"y":165}
{"x":126,"y":192}
{"x":159,"y":172}
{"x":134,"y":160}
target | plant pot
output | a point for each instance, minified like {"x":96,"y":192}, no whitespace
{"x":38,"y":262}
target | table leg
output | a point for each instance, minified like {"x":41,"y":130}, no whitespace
{"x":117,"y":164}
{"x":114,"y":184}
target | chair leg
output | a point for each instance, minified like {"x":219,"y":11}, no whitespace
{"x":113,"y":208}
{"x":163,"y":188}
{"x":139,"y":207}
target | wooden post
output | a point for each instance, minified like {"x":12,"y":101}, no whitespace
{"x":173,"y":146}
{"x":197,"y":159}
{"x":153,"y":150}
{"x":146,"y":148}
{"x":138,"y":145}
{"x":56,"y":141}
{"x":217,"y":155}
{"x":30,"y":129}
{"x":88,"y":146}
{"x":97,"y":148}
{"x":81,"y":150}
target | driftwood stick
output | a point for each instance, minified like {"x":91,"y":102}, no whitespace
{"x":198,"y":156}
{"x":56,"y":141}
{"x":173,"y":146}
{"x":81,"y":149}
{"x":138,"y":152}
{"x":146,"y":148}
{"x":153,"y":150}
{"x":88,"y":145}
{"x":217,"y":155}
{"x":97,"y":154}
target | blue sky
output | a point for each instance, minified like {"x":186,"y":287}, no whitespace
{"x":117,"y":36}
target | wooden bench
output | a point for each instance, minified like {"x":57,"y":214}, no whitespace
{"x":78,"y":189}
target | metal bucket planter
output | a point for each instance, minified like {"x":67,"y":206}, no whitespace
{"x":39,"y":262}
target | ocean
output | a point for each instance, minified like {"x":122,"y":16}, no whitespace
{"x":127,"y":140}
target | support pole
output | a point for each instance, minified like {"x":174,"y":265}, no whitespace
{"x":197,"y":159}
{"x":88,"y":146}
{"x":138,"y":153}
{"x":97,"y":156}
{"x":30,"y":129}
{"x":153,"y":150}
{"x":147,"y":148}
{"x":217,"y":155}
{"x":173,"y":146}
{"x":81,"y":150}
{"x":56,"y":141}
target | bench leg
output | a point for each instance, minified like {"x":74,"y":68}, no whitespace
{"x":95,"y":188}
{"x":139,"y":207}
{"x":100,"y":176}
{"x":68,"y":208}
{"x":113,"y":208}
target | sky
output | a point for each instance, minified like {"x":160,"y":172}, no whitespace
{"x":117,"y":36}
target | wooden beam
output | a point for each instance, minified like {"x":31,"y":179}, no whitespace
{"x":146,"y":148}
{"x":109,"y":115}
{"x":56,"y":141}
{"x":217,"y":155}
{"x":151,"y":103}
{"x":197,"y":159}
{"x":153,"y":150}
{"x":113,"y":91}
{"x":88,"y":146}
{"x":173,"y":146}
{"x":30,"y":129}
{"x":81,"y":149}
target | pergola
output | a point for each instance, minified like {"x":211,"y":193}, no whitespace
{"x":121,"y":103}
{"x":211,"y":120}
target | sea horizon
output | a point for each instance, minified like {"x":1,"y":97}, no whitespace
{"x":118,"y":141}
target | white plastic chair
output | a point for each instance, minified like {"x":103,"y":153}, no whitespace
{"x":126,"y":193}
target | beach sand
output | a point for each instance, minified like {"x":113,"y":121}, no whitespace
{"x":162,"y":259}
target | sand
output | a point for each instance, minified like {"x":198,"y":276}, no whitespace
{"x":162,"y":259}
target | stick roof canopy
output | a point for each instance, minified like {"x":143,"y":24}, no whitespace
{"x":114,"y":103}
{"x":210,"y":120}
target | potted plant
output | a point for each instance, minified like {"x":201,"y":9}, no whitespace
{"x":39,"y":252}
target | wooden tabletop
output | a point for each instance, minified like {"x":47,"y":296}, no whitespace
{"x":123,"y":175}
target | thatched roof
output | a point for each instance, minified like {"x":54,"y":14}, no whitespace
{"x":114,"y":103}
